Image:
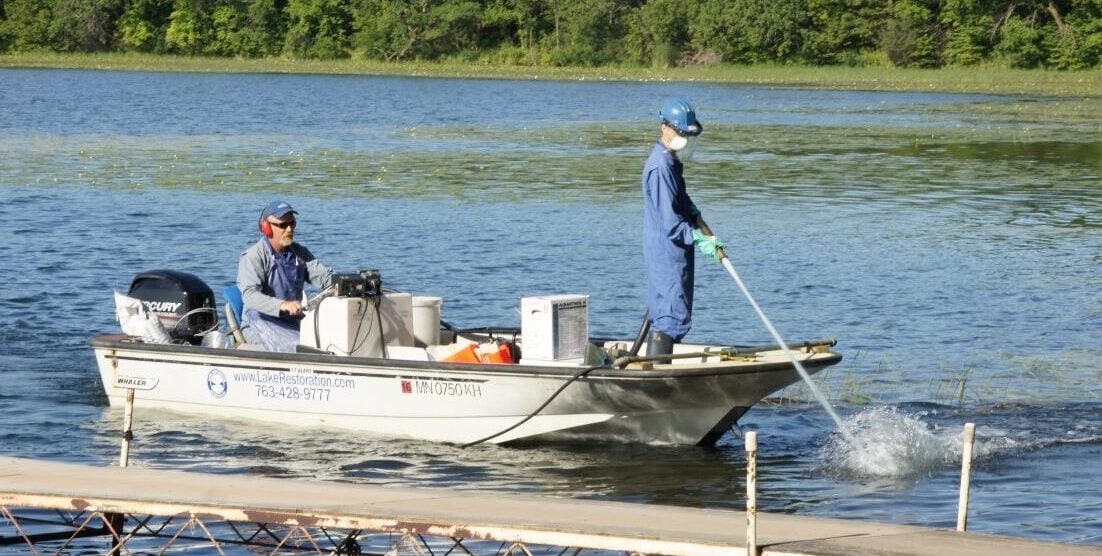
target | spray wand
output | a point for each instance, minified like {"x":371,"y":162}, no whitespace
{"x":721,"y":256}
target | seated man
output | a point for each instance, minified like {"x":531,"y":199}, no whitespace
{"x":271,"y":276}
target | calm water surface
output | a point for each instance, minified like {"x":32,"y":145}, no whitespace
{"x":952,"y":243}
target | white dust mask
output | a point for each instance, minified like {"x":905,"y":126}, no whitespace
{"x":678,"y":143}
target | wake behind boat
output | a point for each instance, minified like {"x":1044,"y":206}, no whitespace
{"x":383,"y":363}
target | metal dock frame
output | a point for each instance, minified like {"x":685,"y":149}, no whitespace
{"x":161,"y":509}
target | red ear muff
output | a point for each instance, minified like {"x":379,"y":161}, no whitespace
{"x":265,"y":227}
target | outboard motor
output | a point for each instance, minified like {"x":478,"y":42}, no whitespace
{"x":173,"y":296}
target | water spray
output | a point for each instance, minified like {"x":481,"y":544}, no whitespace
{"x":791,"y":356}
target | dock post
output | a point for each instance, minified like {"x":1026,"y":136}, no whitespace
{"x":752,"y":493}
{"x":965,"y":475}
{"x":127,"y":433}
{"x":114,"y":522}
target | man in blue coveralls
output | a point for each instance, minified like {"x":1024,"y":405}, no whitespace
{"x":671,"y":226}
{"x":271,"y":275}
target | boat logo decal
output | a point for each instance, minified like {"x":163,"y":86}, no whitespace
{"x":217,"y":384}
{"x":135,"y":382}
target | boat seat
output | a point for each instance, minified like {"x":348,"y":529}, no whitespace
{"x":233,"y":309}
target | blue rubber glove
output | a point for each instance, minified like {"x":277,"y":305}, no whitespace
{"x":709,"y":245}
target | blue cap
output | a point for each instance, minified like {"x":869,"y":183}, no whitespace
{"x":278,"y":209}
{"x":679,"y":114}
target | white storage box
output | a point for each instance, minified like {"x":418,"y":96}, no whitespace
{"x":554,"y":327}
{"x":426,"y":320}
{"x":351,"y":326}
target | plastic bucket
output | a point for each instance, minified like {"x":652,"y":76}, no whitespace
{"x":465,"y":354}
{"x":426,"y":320}
{"x":495,"y":353}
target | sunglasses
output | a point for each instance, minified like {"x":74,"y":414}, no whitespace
{"x":281,"y":225}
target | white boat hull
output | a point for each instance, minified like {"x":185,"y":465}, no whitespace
{"x":682,"y":403}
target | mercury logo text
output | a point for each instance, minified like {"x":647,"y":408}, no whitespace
{"x":162,"y":306}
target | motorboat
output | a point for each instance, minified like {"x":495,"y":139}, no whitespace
{"x":384,"y":363}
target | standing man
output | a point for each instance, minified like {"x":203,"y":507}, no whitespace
{"x":271,"y":275}
{"x":671,"y":225}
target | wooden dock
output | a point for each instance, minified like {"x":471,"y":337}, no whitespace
{"x":523,"y":521}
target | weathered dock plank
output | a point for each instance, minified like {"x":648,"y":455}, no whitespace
{"x":628,"y":527}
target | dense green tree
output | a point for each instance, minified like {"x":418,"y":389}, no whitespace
{"x":452,"y":30}
{"x":909,"y":36}
{"x":225,"y":31}
{"x":841,"y":31}
{"x":1020,"y":42}
{"x":518,"y":26}
{"x":657,"y":33}
{"x":1078,"y":44}
{"x":185,"y":33}
{"x":746,"y":31}
{"x":966,"y":25}
{"x":84,"y":25}
{"x":555,"y":32}
{"x":5,"y":40}
{"x":318,"y":28}
{"x":585,"y":33}
{"x":27,"y":24}
{"x":714,"y":33}
{"x":143,"y":23}
{"x":389,"y":30}
{"x":263,"y":29}
{"x":430,"y":29}
{"x":1028,"y":30}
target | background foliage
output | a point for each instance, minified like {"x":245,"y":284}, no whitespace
{"x":1061,"y":34}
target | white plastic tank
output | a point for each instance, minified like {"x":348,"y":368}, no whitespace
{"x":351,"y":325}
{"x":426,"y":320}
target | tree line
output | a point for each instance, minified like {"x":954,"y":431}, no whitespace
{"x":1062,"y":34}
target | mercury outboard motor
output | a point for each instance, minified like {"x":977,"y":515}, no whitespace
{"x":173,"y":296}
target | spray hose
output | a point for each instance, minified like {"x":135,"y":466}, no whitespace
{"x":535,"y":412}
{"x":780,"y":341}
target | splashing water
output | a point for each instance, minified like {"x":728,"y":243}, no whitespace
{"x":883,"y":443}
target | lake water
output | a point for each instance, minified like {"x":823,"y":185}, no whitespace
{"x":952,"y":243}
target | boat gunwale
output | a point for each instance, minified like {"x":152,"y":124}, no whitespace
{"x":818,"y":361}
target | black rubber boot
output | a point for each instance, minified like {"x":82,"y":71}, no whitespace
{"x":659,"y":343}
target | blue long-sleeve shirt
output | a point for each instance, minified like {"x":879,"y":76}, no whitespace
{"x":668,"y":214}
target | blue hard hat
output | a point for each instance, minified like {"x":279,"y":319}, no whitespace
{"x":679,"y":114}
